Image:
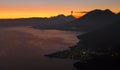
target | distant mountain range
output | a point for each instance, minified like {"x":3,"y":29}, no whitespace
{"x":95,"y":19}
{"x":56,"y":22}
{"x":41,"y":23}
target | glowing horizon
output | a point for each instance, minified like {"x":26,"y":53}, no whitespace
{"x":7,"y":13}
{"x":48,"y":8}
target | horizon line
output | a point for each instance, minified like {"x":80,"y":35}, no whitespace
{"x":74,"y":15}
{"x":37,"y":17}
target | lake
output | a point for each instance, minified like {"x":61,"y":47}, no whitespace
{"x":23,"y":48}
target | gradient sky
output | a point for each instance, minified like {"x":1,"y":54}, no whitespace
{"x":47,"y":8}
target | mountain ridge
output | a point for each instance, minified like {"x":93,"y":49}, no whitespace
{"x":95,"y":19}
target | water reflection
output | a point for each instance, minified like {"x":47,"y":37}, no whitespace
{"x":24,"y":48}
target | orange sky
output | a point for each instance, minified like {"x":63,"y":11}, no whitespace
{"x":47,"y":8}
{"x":35,"y":12}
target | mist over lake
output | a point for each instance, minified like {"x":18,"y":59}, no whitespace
{"x":24,"y":48}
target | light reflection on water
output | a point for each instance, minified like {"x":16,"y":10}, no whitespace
{"x":24,"y":48}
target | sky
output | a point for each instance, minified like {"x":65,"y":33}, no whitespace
{"x":48,"y":8}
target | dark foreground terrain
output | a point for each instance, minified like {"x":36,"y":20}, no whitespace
{"x":97,"y":50}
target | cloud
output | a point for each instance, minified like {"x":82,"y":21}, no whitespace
{"x":82,"y":12}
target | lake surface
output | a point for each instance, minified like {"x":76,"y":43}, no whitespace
{"x":23,"y":48}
